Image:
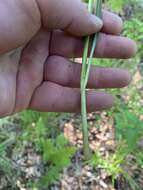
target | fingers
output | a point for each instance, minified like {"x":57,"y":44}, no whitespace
{"x":108,"y":46}
{"x":63,"y":72}
{"x":71,"y":16}
{"x":51,"y":97}
{"x":74,"y":18}
{"x":74,"y":14}
{"x":115,"y":47}
{"x":112,"y":23}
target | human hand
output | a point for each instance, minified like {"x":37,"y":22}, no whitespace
{"x":39,"y":38}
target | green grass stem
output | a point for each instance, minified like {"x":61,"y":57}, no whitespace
{"x":95,"y":8}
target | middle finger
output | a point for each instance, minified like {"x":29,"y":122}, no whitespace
{"x":108,"y":46}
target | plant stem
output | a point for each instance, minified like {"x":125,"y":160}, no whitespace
{"x":83,"y":93}
{"x":84,"y":80}
{"x":94,"y":43}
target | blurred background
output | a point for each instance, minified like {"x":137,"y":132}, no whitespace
{"x":44,"y":150}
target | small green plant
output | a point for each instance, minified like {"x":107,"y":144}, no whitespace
{"x":113,"y":165}
{"x":41,"y":130}
{"x":36,"y":126}
{"x":57,"y":155}
{"x":129,"y":129}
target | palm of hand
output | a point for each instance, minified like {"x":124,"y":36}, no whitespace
{"x":40,"y":77}
{"x":21,"y":73}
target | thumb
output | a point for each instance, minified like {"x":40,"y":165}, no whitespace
{"x":71,"y":16}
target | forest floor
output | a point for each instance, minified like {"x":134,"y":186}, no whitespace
{"x":79,"y":176}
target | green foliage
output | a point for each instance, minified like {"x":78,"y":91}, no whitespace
{"x":7,"y":141}
{"x":41,"y":130}
{"x":129,"y":129}
{"x":111,"y":164}
{"x":37,"y":126}
{"x":57,"y":155}
{"x":117,"y":5}
{"x":133,"y":28}
{"x":120,"y":4}
{"x":7,"y":169}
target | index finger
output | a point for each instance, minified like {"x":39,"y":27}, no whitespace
{"x":71,"y":16}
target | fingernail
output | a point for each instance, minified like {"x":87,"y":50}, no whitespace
{"x":98,"y":23}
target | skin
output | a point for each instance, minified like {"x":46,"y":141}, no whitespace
{"x":37,"y":38}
